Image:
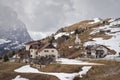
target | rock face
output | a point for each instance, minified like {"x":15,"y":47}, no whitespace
{"x":13,"y":32}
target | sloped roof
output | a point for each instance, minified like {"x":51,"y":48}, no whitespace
{"x":41,"y":46}
{"x":46,"y":46}
{"x":33,"y":42}
{"x":94,"y":47}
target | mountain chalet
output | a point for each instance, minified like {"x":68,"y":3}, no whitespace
{"x":38,"y":49}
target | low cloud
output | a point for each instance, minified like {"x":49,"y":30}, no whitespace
{"x":49,"y":15}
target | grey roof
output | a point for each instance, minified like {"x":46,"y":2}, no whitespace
{"x":94,"y":47}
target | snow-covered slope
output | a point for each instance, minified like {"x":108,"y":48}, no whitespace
{"x":3,"y":41}
{"x":113,"y":30}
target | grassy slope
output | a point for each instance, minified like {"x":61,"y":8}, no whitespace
{"x":62,"y":68}
{"x":7,"y":73}
{"x":84,"y":36}
{"x":109,"y":71}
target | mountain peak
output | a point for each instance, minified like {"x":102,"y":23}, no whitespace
{"x":13,"y":31}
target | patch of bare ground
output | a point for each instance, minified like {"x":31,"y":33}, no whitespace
{"x":101,"y":35}
{"x":109,"y":71}
{"x":30,"y":76}
{"x":81,"y":24}
{"x":62,"y":68}
{"x":75,"y":54}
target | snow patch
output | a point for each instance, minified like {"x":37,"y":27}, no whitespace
{"x":61,"y":34}
{"x":27,"y":69}
{"x":96,"y":20}
{"x":74,"y":62}
{"x":72,"y":32}
{"x":3,"y":41}
{"x":70,"y":47}
{"x":111,"y":20}
{"x":61,"y":76}
{"x":110,"y":57}
{"x":19,"y":78}
{"x":84,"y":71}
{"x":114,"y":42}
{"x":89,"y":43}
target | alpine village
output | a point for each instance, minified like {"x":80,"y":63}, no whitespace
{"x":87,"y":50}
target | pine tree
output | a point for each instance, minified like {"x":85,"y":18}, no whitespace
{"x":76,"y":31}
{"x":13,"y":53}
{"x":6,"y":58}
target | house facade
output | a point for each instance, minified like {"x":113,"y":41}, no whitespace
{"x":38,"y":49}
{"x":96,"y":51}
{"x":48,"y":52}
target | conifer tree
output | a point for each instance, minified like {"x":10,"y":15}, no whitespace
{"x":6,"y":58}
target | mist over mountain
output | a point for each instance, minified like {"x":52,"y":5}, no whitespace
{"x":13,"y":31}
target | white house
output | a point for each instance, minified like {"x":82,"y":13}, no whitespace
{"x":38,"y":49}
{"x":97,"y":51}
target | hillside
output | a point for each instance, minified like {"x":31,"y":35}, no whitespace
{"x":96,"y":31}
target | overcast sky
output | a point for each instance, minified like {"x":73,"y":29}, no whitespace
{"x":43,"y":17}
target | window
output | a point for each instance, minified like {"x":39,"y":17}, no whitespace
{"x":46,"y":51}
{"x":31,"y":50}
{"x":36,"y":53}
{"x":52,"y":50}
